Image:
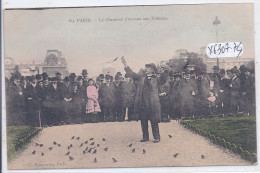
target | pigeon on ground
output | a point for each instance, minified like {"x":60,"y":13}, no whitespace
{"x":95,"y":160}
{"x":36,"y":144}
{"x":106,"y":149}
{"x":91,"y":139}
{"x":130,"y":145}
{"x":95,"y":151}
{"x":71,"y":158}
{"x":41,"y":145}
{"x":67,"y":153}
{"x":81,"y":145}
{"x":59,"y":145}
{"x":104,"y":139}
{"x":86,"y":149}
{"x":71,"y":145}
{"x":202,"y":156}
{"x":72,"y":137}
{"x":54,"y":142}
{"x":92,"y":143}
{"x":98,"y":145}
{"x":144,"y":151}
{"x":33,"y":152}
{"x":90,"y":150}
{"x":170,"y":136}
{"x":50,"y":148}
{"x":78,"y":138}
{"x":84,"y":152}
{"x":68,"y":147}
{"x":175,"y":155}
{"x":86,"y":142}
{"x":114,"y":160}
{"x":42,"y":154}
{"x":133,"y":150}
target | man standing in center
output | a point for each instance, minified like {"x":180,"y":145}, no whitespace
{"x":147,"y":103}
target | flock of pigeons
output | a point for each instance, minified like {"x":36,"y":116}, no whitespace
{"x":89,"y":146}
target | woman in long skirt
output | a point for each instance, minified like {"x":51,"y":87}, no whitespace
{"x":93,"y":106}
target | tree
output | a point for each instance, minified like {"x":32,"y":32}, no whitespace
{"x":180,"y":65}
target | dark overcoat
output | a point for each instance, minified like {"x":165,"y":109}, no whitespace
{"x":128,"y":93}
{"x":154,"y":96}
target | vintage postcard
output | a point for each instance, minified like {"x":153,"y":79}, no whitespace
{"x":130,"y":86}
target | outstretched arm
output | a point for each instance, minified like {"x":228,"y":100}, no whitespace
{"x":132,"y":74}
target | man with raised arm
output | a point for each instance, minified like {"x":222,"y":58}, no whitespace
{"x":147,"y":103}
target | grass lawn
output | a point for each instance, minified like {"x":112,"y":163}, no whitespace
{"x":18,"y":137}
{"x":237,"y":130}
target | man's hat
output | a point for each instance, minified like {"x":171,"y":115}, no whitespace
{"x":107,"y":76}
{"x":84,"y":72}
{"x":72,"y":76}
{"x":222,"y":71}
{"x":215,"y":68}
{"x":66,"y":79}
{"x":38,"y":76}
{"x":98,"y":79}
{"x":22,"y":78}
{"x":101,"y":76}
{"x":119,"y":74}
{"x":111,"y":78}
{"x":80,"y":78}
{"x":58,"y":74}
{"x":32,"y":78}
{"x":44,"y":75}
{"x":152,"y":65}
{"x":177,"y":74}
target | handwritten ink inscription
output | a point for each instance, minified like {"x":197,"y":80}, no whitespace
{"x":224,"y":50}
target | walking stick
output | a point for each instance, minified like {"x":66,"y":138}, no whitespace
{"x":126,"y":113}
{"x":40,"y":122}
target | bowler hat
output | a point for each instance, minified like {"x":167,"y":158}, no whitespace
{"x":84,"y":72}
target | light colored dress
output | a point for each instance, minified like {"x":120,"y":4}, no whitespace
{"x":92,"y":104}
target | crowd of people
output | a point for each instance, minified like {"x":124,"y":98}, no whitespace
{"x":40,"y":99}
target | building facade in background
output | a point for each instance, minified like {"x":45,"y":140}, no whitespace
{"x":54,"y":62}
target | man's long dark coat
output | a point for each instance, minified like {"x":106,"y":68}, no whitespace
{"x":154,"y":96}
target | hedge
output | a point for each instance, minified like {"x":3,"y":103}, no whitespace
{"x":237,"y":149}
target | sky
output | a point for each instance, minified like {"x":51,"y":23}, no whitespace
{"x":28,"y":34}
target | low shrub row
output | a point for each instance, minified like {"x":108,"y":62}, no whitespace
{"x":252,"y":157}
{"x":19,"y":143}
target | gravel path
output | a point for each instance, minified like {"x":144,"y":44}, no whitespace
{"x":118,"y":135}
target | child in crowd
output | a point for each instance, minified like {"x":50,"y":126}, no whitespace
{"x":92,"y":107}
